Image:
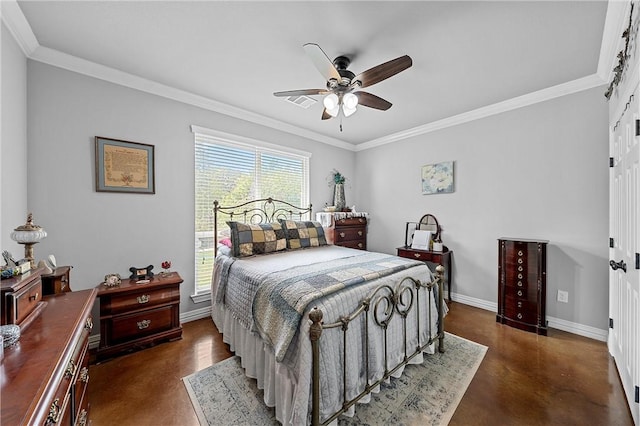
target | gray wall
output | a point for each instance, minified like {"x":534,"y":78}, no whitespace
{"x":535,"y":172}
{"x":100,"y":233}
{"x":13,"y":142}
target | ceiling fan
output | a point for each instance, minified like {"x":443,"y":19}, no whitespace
{"x":343,"y":85}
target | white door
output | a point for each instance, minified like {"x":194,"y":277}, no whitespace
{"x":624,"y":275}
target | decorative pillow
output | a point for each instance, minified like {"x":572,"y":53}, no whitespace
{"x":247,"y":240}
{"x":226,"y":242}
{"x":303,"y":234}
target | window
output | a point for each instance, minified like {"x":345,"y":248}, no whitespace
{"x":234,"y":170}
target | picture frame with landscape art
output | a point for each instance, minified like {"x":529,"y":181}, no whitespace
{"x":437,"y":178}
{"x":123,"y":166}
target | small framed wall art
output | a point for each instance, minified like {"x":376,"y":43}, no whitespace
{"x":123,"y":166}
{"x":437,"y":178}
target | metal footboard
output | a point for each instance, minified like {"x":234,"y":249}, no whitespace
{"x":381,"y":305}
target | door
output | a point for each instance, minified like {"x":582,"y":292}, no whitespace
{"x":624,"y":272}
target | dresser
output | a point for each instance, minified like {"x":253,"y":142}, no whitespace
{"x":22,"y":298}
{"x":135,"y":315}
{"x":345,"y":229}
{"x":57,"y":281}
{"x":522,"y":282}
{"x":44,"y":377}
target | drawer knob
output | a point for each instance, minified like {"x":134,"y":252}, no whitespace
{"x":520,"y":293}
{"x":519,"y":304}
{"x":34,"y":297}
{"x":520,"y":253}
{"x":520,"y":269}
{"x":519,"y":260}
{"x":359,"y":245}
{"x":88,"y":324}
{"x":71,"y":369}
{"x":84,"y":375}
{"x":519,"y":315}
{"x":360,"y":233}
{"x":54,"y":412}
{"x":416,"y":255}
{"x":519,"y":283}
{"x":143,"y":324}
{"x":519,"y":276}
{"x":143,"y":299}
{"x":342,"y":234}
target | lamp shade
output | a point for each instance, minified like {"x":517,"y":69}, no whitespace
{"x":28,"y":234}
{"x":331,"y":101}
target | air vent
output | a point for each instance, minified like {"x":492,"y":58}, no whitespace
{"x":302,"y":101}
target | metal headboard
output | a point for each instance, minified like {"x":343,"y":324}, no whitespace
{"x":263,"y":210}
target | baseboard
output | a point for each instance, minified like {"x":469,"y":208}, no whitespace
{"x":557,"y":323}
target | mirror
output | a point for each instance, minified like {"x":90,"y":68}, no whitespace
{"x":428,"y":222}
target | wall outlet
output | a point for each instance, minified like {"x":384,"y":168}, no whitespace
{"x":563,"y":296}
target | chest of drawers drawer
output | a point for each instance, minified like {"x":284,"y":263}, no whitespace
{"x":138,"y":299}
{"x":140,"y":324}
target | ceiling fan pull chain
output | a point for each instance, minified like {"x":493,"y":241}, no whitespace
{"x":340,"y":124}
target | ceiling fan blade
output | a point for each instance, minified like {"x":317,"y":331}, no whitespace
{"x":322,"y":62}
{"x":301,"y":92}
{"x":325,"y":114}
{"x":372,"y":101}
{"x":383,"y":71}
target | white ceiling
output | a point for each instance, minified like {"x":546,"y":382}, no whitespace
{"x":233,"y":55}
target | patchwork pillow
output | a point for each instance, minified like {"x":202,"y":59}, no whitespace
{"x":249,"y":239}
{"x":303,"y":234}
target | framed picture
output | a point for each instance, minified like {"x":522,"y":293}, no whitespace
{"x":437,"y":178}
{"x":123,"y":166}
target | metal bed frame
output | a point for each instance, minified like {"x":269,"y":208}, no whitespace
{"x":381,"y":305}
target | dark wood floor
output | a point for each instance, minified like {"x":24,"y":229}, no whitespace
{"x":525,"y":379}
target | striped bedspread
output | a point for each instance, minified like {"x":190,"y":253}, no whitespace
{"x":281,"y":299}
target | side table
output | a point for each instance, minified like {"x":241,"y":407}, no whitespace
{"x":440,"y":257}
{"x":135,"y":314}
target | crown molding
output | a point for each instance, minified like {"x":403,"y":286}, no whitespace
{"x":559,"y":90}
{"x":18,"y":26}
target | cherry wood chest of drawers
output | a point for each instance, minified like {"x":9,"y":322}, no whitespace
{"x":522,"y":282}
{"x":350,"y":232}
{"x":22,"y":298}
{"x":134,"y":316}
{"x":44,"y":377}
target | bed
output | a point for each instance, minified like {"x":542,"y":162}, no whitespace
{"x":318,"y":326}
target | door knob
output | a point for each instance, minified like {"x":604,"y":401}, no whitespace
{"x":618,"y":265}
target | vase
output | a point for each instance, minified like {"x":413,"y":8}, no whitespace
{"x":338,"y":197}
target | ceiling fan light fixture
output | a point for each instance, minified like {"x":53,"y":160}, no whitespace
{"x":350,"y":101}
{"x":348,"y":111}
{"x":331,"y":102}
{"x":333,"y":112}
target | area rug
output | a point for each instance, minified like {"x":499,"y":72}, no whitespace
{"x":425,"y":394}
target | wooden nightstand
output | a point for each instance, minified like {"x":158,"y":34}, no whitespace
{"x":134,"y":316}
{"x":440,"y":257}
{"x":57,"y":281}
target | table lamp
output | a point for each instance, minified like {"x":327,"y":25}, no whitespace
{"x":28,"y":234}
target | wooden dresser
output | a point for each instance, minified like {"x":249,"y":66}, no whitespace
{"x":346,"y":232}
{"x":522,"y":282}
{"x":44,"y":377}
{"x":133,"y":316}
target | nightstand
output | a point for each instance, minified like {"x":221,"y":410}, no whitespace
{"x":440,"y":257}
{"x":134,"y":316}
{"x":57,"y":281}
